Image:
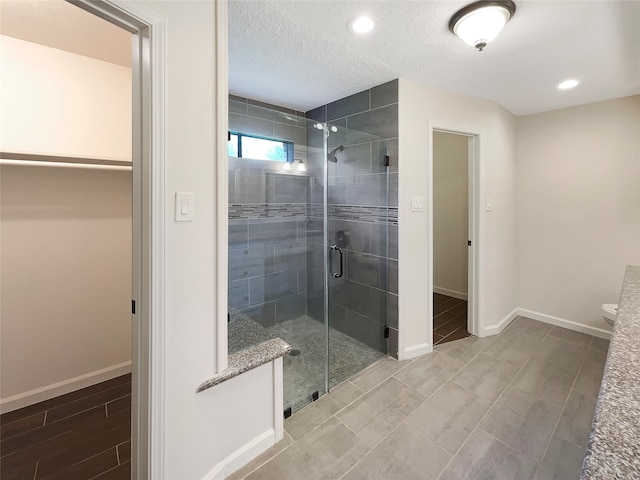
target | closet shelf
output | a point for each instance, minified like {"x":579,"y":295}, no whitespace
{"x":25,"y":159}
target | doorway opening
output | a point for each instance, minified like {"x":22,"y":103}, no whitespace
{"x":66,"y":243}
{"x":453,"y":260}
{"x":140,"y":459}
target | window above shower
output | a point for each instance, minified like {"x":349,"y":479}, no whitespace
{"x":267,"y":138}
{"x":254,"y":147}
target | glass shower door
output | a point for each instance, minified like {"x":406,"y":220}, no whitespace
{"x":356,"y":209}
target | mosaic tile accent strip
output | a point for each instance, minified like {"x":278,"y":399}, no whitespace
{"x":358,"y":213}
{"x":266,"y":210}
{"x":249,"y":211}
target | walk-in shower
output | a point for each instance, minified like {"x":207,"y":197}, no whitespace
{"x":312,"y":255}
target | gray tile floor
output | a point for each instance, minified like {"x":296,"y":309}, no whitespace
{"x":514,"y":406}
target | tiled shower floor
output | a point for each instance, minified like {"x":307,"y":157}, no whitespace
{"x":305,"y":373}
{"x":304,"y":368}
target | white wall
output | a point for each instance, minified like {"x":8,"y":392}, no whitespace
{"x":450,"y":212}
{"x":65,"y":234}
{"x":200,"y":430}
{"x":420,"y":105}
{"x":578,"y":199}
{"x":59,"y":103}
{"x":65,"y":278}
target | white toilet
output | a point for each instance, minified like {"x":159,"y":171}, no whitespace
{"x":609,"y":311}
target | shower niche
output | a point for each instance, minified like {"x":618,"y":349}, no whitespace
{"x":313,"y":236}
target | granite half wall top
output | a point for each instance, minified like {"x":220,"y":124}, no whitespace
{"x":248,"y":359}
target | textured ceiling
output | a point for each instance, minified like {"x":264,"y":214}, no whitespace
{"x":299,"y":53}
{"x":58,"y":24}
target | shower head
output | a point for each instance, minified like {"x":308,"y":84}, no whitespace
{"x":331,"y":156}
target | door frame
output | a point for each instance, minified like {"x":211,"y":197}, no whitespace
{"x":475,"y":322}
{"x":148,"y":226}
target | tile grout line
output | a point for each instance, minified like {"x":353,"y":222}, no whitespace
{"x":44,"y":420}
{"x":564,"y":406}
{"x":371,"y":449}
{"x":444,"y":339}
{"x":35,"y":471}
{"x":335,"y":414}
{"x":118,"y":455}
{"x":364,"y":393}
{"x":275,"y":455}
{"x":385,"y":378}
{"x":477,"y":426}
{"x":449,"y":379}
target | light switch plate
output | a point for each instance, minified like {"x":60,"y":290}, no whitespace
{"x":184,"y":207}
{"x":417,"y":204}
{"x":488,"y":204}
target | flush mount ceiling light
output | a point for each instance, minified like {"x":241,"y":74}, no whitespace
{"x":481,"y":22}
{"x":568,"y":84}
{"x":361,"y":24}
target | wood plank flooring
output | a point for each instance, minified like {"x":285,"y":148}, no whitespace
{"x":84,"y":434}
{"x":449,"y":319}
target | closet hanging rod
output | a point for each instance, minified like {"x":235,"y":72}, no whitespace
{"x":30,"y":160}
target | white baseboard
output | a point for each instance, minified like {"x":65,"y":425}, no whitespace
{"x":568,"y":324}
{"x":242,"y":456}
{"x":60,"y":388}
{"x":501,"y":325}
{"x":450,"y":293}
{"x":415,"y":351}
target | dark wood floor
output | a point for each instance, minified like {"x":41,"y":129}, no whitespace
{"x":449,"y":319}
{"x":84,"y":434}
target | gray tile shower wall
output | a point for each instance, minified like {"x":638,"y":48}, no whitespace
{"x":363,"y":198}
{"x":267,"y":210}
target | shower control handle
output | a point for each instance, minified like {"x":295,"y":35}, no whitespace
{"x":335,"y":247}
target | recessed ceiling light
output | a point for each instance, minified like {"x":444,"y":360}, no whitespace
{"x":361,"y":24}
{"x":567,"y":84}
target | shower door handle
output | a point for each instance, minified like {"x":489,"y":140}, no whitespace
{"x":335,"y":247}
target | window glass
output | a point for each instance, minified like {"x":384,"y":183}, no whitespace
{"x":232,"y":146}
{"x":257,"y":148}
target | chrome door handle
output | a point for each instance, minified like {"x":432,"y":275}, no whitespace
{"x":339,"y":274}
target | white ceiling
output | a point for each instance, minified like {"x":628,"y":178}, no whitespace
{"x":299,"y":54}
{"x":58,"y":24}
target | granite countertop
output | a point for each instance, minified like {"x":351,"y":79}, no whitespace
{"x":247,"y":359}
{"x":614,"y":445}
{"x":243,"y":332}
